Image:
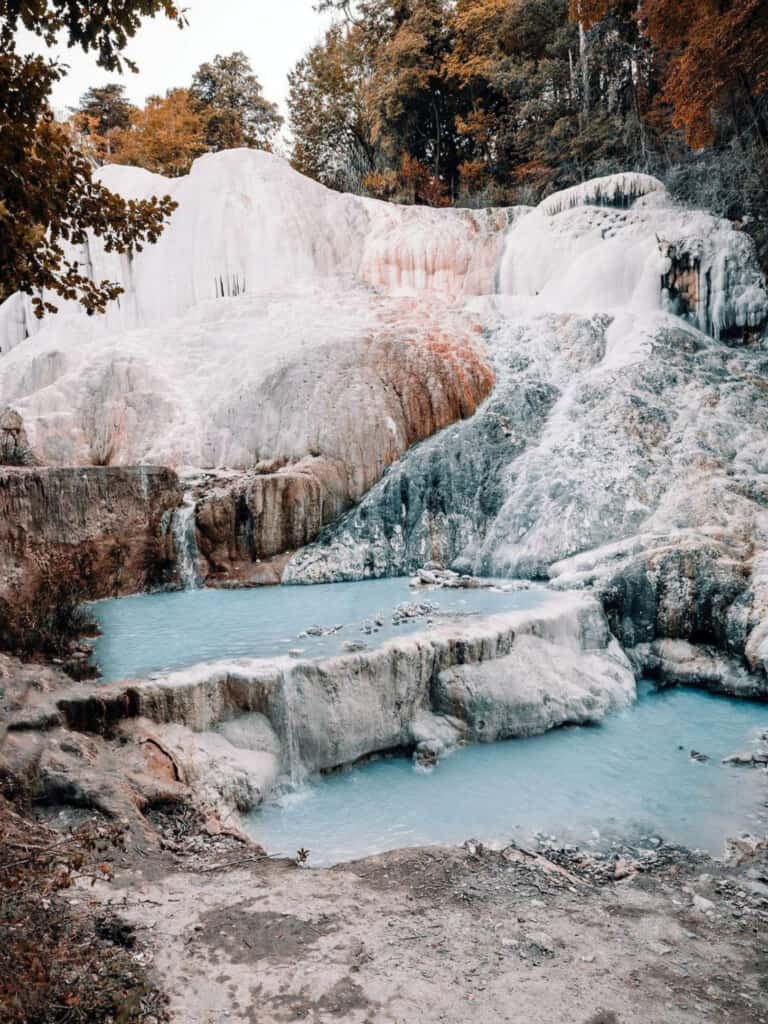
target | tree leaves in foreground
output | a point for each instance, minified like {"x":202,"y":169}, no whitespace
{"x":49,"y":199}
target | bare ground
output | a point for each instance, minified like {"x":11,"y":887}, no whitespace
{"x":449,"y":935}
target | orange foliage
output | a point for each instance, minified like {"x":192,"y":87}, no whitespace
{"x":477,"y":47}
{"x":412,"y":182}
{"x":473,"y":175}
{"x":717,"y":53}
{"x":420,"y":184}
{"x":165,"y":137}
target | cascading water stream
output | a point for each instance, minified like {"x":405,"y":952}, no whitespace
{"x":185,"y":543}
{"x":295,"y":768}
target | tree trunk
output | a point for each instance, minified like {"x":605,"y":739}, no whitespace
{"x":437,"y":137}
{"x":584,"y":64}
{"x":761,"y":126}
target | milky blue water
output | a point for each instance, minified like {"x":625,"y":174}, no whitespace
{"x":153,"y":632}
{"x":627,"y":777}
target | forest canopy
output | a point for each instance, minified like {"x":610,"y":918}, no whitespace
{"x":222,"y":108}
{"x":501,"y":101}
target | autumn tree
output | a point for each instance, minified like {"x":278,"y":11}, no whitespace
{"x":503,"y":101}
{"x":716,"y":54}
{"x":49,"y":200}
{"x":165,"y":136}
{"x":718,"y":61}
{"x":412,"y":102}
{"x":329,"y":112}
{"x":229,"y":95}
{"x":372,"y":99}
{"x":101,"y":115}
{"x":710,"y":69}
{"x":495,"y":99}
{"x":106,"y":106}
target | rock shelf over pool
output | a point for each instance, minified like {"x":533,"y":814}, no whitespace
{"x":351,"y":389}
{"x":235,"y":728}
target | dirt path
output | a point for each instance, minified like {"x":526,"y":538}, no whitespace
{"x":450,"y":935}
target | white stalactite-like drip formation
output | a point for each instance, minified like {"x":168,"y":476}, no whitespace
{"x":260,"y":268}
{"x":610,"y":244}
{"x":612,"y":190}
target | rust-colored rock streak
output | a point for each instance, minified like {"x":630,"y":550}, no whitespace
{"x":388,"y":396}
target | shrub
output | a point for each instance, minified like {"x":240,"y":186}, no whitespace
{"x":51,"y":619}
{"x":62,"y":963}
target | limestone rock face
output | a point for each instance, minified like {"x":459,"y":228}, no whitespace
{"x":329,"y":388}
{"x":538,"y":687}
{"x":678,"y":662}
{"x":224,"y":772}
{"x":14,"y":443}
{"x":382,"y":398}
{"x":112,"y":521}
{"x":581,"y":444}
{"x":59,"y":766}
{"x":234,"y":725}
{"x":247,"y":224}
{"x":634,"y":467}
{"x":272,"y":316}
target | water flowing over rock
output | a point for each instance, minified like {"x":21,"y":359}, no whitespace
{"x":623,"y":448}
{"x":184,"y":533}
{"x":599,"y":420}
{"x":513,"y":674}
{"x":276,"y":323}
{"x":643,"y":478}
{"x":264,"y":288}
{"x":617,"y":243}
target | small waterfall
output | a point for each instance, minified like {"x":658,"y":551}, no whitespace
{"x":143,"y":482}
{"x":295,"y":767}
{"x":185,"y":543}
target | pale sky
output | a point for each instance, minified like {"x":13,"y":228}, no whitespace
{"x":273,"y":36}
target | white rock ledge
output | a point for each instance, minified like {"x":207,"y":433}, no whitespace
{"x":237,"y":726}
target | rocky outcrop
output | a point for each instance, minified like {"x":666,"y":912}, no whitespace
{"x":249,"y":523}
{"x":629,"y":461}
{"x":14,"y":443}
{"x":537,"y":687}
{"x":596,"y":431}
{"x":681,"y":585}
{"x":236,"y":724}
{"x":43,"y":760}
{"x":112,"y":522}
{"x":619,"y":244}
{"x":223,"y":352}
{"x":329,"y":436}
{"x":680,"y":663}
